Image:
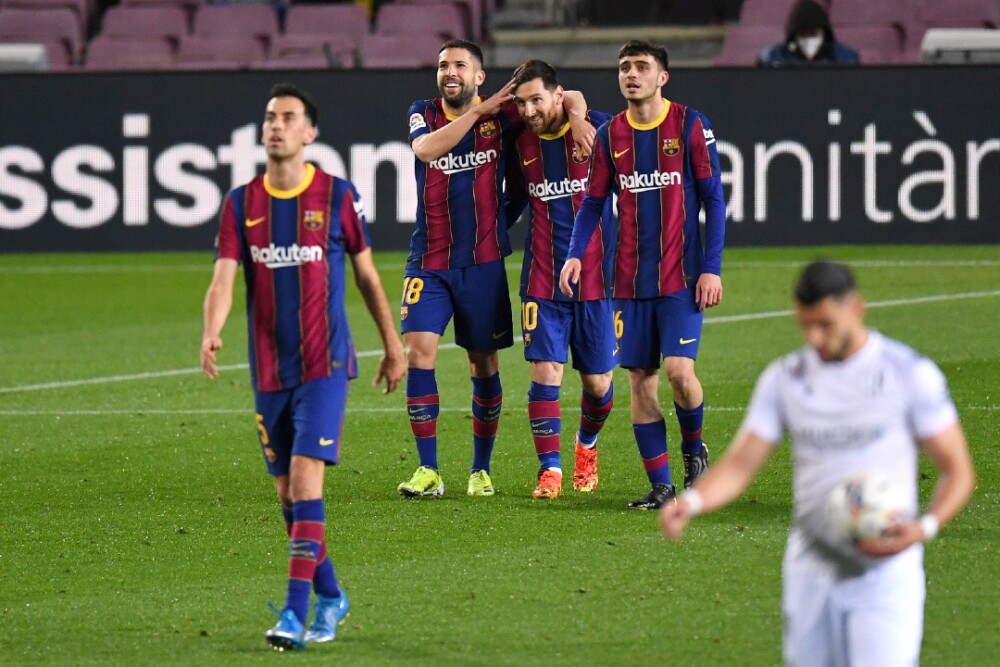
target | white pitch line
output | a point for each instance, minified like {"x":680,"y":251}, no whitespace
{"x":450,"y":346}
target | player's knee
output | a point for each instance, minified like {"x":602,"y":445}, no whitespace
{"x":596,"y":385}
{"x":680,"y":375}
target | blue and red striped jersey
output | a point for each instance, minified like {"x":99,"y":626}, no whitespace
{"x":292,"y":245}
{"x":663,"y":172}
{"x":554,"y":179}
{"x":461,"y":219}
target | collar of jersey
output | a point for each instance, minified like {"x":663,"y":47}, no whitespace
{"x":297,"y":190}
{"x":450,"y":117}
{"x":651,"y":125}
{"x":558,"y":135}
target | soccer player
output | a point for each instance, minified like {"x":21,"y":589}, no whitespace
{"x":659,"y":158}
{"x":456,"y":268}
{"x":291,"y":229}
{"x":852,"y":401}
{"x":553,"y":174}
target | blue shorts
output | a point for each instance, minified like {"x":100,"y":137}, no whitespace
{"x":476,"y":296}
{"x":586,"y":328}
{"x":306,"y":420}
{"x":651,"y":329}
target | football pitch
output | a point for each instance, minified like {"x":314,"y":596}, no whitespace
{"x":141,"y":528}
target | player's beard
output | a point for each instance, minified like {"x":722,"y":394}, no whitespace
{"x":460,"y":99}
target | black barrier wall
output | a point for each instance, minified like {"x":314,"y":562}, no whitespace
{"x":143,"y":161}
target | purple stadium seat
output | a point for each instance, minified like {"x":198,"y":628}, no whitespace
{"x":219,"y":52}
{"x":42,"y":26}
{"x":109,"y":54}
{"x":744,"y":43}
{"x":82,"y":8}
{"x":958,"y":13}
{"x":442,"y":21}
{"x":292,"y":62}
{"x":391,"y":52}
{"x":258,"y":21}
{"x":159,"y":21}
{"x":344,"y":19}
{"x":870,"y":13}
{"x":338,"y":49}
{"x":877,"y":45}
{"x":765,"y":13}
{"x":55,"y":51}
{"x":472,"y":13}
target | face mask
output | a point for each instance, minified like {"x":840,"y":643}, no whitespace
{"x":810,"y":45}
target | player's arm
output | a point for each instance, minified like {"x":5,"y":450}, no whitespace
{"x":584,"y":133}
{"x":392,"y":365}
{"x":599,"y":185}
{"x":707,"y":172}
{"x":720,"y":485}
{"x":218,"y":303}
{"x":949,"y":453}
{"x":432,"y":145}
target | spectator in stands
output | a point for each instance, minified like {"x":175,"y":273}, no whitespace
{"x":809,"y":40}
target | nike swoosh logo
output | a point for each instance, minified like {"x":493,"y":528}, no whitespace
{"x":618,"y":154}
{"x":527,"y":162}
{"x":323,"y":442}
{"x":499,"y":335}
{"x":685,"y":341}
{"x":252,"y":223}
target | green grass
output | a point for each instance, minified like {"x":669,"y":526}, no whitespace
{"x":140,"y":527}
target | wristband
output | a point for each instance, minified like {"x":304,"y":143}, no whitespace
{"x":694,"y":502}
{"x":930,"y":525}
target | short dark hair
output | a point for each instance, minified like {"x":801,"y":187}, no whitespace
{"x":291,"y":90}
{"x":536,"y":69}
{"x":471,"y":47}
{"x":637,"y":47}
{"x":824,"y":278}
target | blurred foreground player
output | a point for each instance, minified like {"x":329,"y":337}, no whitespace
{"x":852,"y":402}
{"x":291,"y":229}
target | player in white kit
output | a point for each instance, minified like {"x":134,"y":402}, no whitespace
{"x":851,"y":401}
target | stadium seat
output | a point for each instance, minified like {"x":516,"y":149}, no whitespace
{"x":870,"y":13}
{"x":877,"y":45}
{"x":82,"y":8}
{"x":292,"y":63}
{"x":44,"y":26}
{"x":111,"y":54}
{"x":55,"y":51}
{"x":771,"y":13}
{"x":259,"y":21}
{"x":958,"y":13}
{"x":219,"y":52}
{"x":390,"y":52}
{"x":344,"y":19}
{"x":150,"y":22}
{"x":442,"y":21}
{"x":472,"y":13}
{"x":743,"y":45}
{"x":337,"y":49}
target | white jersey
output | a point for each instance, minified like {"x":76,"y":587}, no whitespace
{"x":865,"y":414}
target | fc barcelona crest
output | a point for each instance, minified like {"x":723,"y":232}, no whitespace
{"x":313,"y":220}
{"x":488,"y":129}
{"x":579,"y":157}
{"x":671,"y":147}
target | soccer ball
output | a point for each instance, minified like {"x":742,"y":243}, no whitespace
{"x":864,"y":507}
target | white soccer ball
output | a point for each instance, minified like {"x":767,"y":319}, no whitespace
{"x":864,"y":507}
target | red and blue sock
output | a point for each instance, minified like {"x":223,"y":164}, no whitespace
{"x":423,"y":407}
{"x":594,"y":412}
{"x":652,"y":441}
{"x":690,"y":422}
{"x":325,"y":579}
{"x":304,"y":547}
{"x":487,"y":401}
{"x":546,"y":423}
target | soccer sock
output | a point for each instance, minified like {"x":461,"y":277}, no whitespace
{"x":487,"y":400}
{"x":325,"y":579}
{"x":652,"y":441}
{"x":423,"y":406}
{"x":543,"y":415}
{"x":690,"y":422}
{"x":594,"y":412}
{"x":304,"y":548}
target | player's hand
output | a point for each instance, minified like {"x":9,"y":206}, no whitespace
{"x":673,"y":518}
{"x":209,"y":346}
{"x":897,"y":538}
{"x":708,"y":291}
{"x":569,"y":276}
{"x":493,"y":103}
{"x":584,"y":135}
{"x":392,"y":369}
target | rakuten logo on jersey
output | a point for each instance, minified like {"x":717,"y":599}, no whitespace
{"x":453,"y":164}
{"x":276,"y":257}
{"x":643,"y":182}
{"x":547,"y":190}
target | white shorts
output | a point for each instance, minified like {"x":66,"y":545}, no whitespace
{"x":874,"y":619}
